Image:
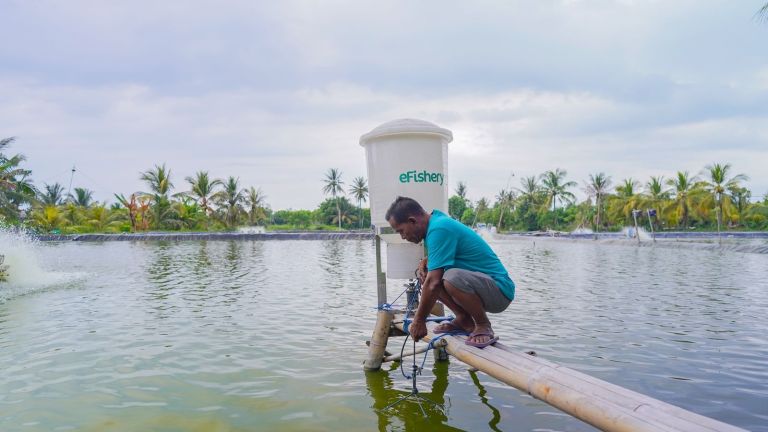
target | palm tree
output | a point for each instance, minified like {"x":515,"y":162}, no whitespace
{"x":555,"y":188}
{"x":53,"y":195}
{"x":481,"y":207}
{"x":230,"y":198}
{"x":48,"y":217}
{"x":531,"y":189}
{"x":15,"y":186}
{"x":683,"y":186}
{"x":82,"y":197}
{"x":359,"y":190}
{"x":627,"y":199}
{"x":333,"y":187}
{"x":740,"y":197}
{"x":656,"y":194}
{"x":461,"y":190}
{"x":763,"y":12}
{"x":202,"y":188}
{"x":598,"y":187}
{"x":255,"y":199}
{"x":344,"y":216}
{"x":99,"y":218}
{"x":73,"y":215}
{"x":159,"y":181}
{"x":719,"y":182}
{"x":504,"y":199}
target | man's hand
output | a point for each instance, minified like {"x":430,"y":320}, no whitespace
{"x":421,"y":272}
{"x":417,"y":329}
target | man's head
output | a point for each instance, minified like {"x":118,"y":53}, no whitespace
{"x":408,"y":218}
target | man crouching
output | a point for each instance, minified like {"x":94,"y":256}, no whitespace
{"x":460,"y":270}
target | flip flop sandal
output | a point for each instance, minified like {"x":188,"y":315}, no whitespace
{"x":491,"y":341}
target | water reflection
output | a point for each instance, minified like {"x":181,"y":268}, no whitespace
{"x":233,"y":256}
{"x":408,"y":414}
{"x":331,"y":258}
{"x":202,"y":263}
{"x":160,"y":270}
{"x":496,"y":414}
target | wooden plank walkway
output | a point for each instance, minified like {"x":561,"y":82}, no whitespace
{"x":599,"y":403}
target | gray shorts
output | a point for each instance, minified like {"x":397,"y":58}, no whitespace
{"x":494,"y":300}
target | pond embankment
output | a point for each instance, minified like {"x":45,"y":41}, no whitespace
{"x":319,"y":235}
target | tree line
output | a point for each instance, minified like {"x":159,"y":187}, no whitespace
{"x":711,"y":199}
{"x":204,"y":203}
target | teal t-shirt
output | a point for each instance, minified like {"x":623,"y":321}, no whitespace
{"x":451,"y":244}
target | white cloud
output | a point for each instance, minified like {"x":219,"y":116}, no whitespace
{"x":277,"y":93}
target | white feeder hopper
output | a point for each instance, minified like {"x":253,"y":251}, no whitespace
{"x":405,"y":157}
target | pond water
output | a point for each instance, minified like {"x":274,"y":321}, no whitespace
{"x":270,"y":335}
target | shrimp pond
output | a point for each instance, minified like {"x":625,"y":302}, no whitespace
{"x":270,"y":335}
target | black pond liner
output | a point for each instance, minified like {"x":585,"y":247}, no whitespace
{"x":322,"y":235}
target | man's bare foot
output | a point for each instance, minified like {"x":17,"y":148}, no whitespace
{"x":454,"y":326}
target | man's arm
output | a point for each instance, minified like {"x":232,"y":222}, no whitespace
{"x":430,"y":292}
{"x":421,"y":272}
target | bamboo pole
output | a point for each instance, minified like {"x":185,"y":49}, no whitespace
{"x":378,"y":340}
{"x":599,"y":403}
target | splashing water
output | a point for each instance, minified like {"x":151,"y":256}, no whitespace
{"x":23,"y":271}
{"x":629,"y":232}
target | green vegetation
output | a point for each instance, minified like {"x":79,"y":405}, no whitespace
{"x":684,"y":202}
{"x":714,"y":200}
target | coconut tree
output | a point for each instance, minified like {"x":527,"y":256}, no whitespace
{"x":16,"y":188}
{"x":255,"y":199}
{"x":53,"y":194}
{"x":598,"y":188}
{"x":202,"y":187}
{"x":683,"y":188}
{"x":480,"y":209}
{"x":556,"y":188}
{"x":627,"y":198}
{"x":188,"y":213}
{"x":718,"y":183}
{"x":763,"y":12}
{"x":48,"y":217}
{"x":230,"y":200}
{"x":530,"y":190}
{"x":159,"y":181}
{"x":73,"y":215}
{"x":656,"y":193}
{"x":528,"y":202}
{"x":504,"y":199}
{"x":100,"y":219}
{"x":82,"y":197}
{"x":740,"y":199}
{"x":359,"y":190}
{"x":333,"y":187}
{"x":461,"y":190}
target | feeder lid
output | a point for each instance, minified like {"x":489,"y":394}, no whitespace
{"x":406,"y":126}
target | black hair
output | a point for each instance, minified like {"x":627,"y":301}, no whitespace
{"x":403,"y":208}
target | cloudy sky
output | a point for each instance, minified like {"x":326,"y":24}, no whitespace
{"x":277,"y":92}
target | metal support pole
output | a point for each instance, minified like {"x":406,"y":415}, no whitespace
{"x":637,"y":229}
{"x":381,"y":277}
{"x":651,"y":214}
